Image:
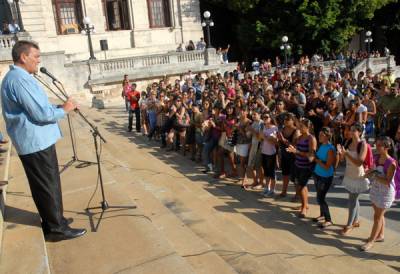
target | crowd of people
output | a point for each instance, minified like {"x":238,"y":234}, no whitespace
{"x":301,"y":121}
{"x":350,"y":59}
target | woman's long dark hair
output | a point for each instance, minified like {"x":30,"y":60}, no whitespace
{"x":387,"y":143}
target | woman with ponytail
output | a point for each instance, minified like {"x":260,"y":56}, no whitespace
{"x":325,"y":160}
{"x":382,"y":189}
{"x":304,"y":151}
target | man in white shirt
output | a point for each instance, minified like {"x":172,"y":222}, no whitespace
{"x":362,"y":110}
{"x":201,"y":45}
{"x":14,"y":27}
{"x":344,"y":98}
{"x":256,"y":66}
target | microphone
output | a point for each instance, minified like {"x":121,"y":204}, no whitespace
{"x":45,"y":71}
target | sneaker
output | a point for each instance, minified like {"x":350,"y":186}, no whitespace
{"x":265,"y":192}
{"x":208,"y":169}
{"x":270,"y":194}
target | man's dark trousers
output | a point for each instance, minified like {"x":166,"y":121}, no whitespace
{"x":41,"y":169}
{"x":130,"y":119}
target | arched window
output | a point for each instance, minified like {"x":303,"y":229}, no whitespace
{"x":68,"y":16}
{"x":159,"y":13}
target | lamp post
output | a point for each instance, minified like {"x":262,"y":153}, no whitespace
{"x":387,"y":54}
{"x":285,"y":47}
{"x":368,"y":41}
{"x":21,"y":25}
{"x":207,"y":23}
{"x":88,"y":30}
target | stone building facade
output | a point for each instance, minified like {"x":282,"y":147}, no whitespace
{"x":142,"y":38}
{"x":131,"y":27}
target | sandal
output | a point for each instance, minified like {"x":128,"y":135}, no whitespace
{"x":356,"y":224}
{"x":367,"y":246}
{"x":325,"y":224}
{"x":378,"y":240}
{"x":346,"y":230}
{"x":318,"y":219}
{"x":302,"y":215}
{"x":220,"y":175}
{"x":258,"y":187}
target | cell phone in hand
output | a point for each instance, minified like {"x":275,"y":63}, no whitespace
{"x":372,"y":173}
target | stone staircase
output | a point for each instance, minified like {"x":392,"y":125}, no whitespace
{"x":185,"y":221}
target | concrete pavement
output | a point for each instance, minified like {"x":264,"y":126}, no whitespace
{"x":188,"y":222}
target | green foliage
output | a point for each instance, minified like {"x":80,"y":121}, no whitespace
{"x":324,"y":25}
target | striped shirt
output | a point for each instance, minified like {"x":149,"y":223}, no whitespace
{"x":303,"y":145}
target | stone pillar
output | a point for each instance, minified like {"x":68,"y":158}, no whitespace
{"x":210,"y":56}
{"x":191,"y":20}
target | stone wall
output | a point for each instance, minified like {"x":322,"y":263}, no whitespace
{"x":39,"y":21}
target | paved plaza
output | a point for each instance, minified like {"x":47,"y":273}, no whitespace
{"x":185,"y":221}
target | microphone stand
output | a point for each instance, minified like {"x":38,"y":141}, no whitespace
{"x":82,"y":163}
{"x":97,"y":138}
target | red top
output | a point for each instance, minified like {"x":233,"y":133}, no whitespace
{"x":133,"y":96}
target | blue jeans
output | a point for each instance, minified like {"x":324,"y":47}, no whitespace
{"x":354,"y":208}
{"x":130,"y":119}
{"x":322,"y":184}
{"x":208,"y":147}
{"x":127,"y":104}
{"x":152,"y":115}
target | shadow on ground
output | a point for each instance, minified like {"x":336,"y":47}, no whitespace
{"x":263,"y":212}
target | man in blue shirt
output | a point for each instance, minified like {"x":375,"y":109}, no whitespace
{"x":31,"y":123}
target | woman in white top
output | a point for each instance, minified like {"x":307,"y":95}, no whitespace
{"x":354,"y":181}
{"x":268,"y":151}
{"x":382,"y":189}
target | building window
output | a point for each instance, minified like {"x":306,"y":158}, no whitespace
{"x":117,"y":14}
{"x":68,"y":16}
{"x":159,"y":15}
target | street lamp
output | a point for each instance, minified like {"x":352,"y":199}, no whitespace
{"x":207,"y":23}
{"x":88,"y":30}
{"x":285,"y":47}
{"x":368,"y":40}
{"x":21,"y":25}
{"x":387,"y":54}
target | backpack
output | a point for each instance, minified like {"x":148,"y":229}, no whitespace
{"x":369,"y":158}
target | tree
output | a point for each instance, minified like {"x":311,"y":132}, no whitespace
{"x":324,"y":25}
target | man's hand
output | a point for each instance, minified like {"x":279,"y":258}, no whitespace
{"x":69,"y":105}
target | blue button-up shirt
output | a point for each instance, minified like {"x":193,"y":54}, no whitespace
{"x":31,"y":120}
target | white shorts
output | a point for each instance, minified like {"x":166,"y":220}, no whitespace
{"x":242,"y":150}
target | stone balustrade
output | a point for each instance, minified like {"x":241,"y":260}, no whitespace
{"x":150,"y":65}
{"x":139,"y":62}
{"x":7,"y":41}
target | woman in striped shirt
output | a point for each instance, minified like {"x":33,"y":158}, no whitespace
{"x":304,"y":151}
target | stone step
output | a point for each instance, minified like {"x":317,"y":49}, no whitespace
{"x":23,"y":247}
{"x":122,"y":240}
{"x":212,"y":230}
{"x":4,"y":172}
{"x":186,"y":243}
{"x":199,"y":254}
{"x":298,"y":239}
{"x":223,"y":235}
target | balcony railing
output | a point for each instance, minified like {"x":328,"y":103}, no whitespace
{"x":139,"y":62}
{"x":7,"y":41}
